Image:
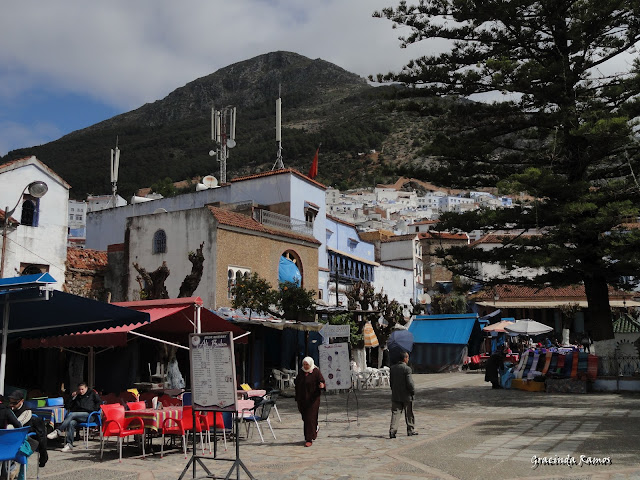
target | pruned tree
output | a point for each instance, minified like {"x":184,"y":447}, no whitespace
{"x":152,"y":284}
{"x":192,"y":280}
{"x":254,"y":293}
{"x":563,"y":133}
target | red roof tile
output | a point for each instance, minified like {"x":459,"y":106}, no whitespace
{"x":234,"y":219}
{"x":339,"y":220}
{"x":398,"y":238}
{"x":16,"y":164}
{"x":521,"y":292}
{"x":279,"y":172}
{"x":444,"y":236}
{"x":86,"y":259}
{"x":12,"y":220}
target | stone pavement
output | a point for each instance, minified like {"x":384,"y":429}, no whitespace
{"x":467,"y":431}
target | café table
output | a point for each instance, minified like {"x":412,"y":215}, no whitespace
{"x":154,"y":418}
{"x":244,"y":394}
{"x":52,"y":415}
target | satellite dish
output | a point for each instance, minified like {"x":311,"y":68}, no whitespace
{"x":159,"y":210}
{"x":200,"y":187}
{"x":212,"y":153}
{"x":137,"y":199}
{"x":406,"y":313}
{"x":210,"y":181}
{"x":231,"y":143}
{"x":424,"y":299}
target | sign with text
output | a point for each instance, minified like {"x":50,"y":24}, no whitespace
{"x":213,"y":371}
{"x":335,"y":331}
{"x":335,"y":366}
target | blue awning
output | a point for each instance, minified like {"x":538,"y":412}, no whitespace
{"x":25,"y":282}
{"x":447,"y":329}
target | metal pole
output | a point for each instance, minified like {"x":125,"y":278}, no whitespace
{"x":5,"y":333}
{"x":4,"y":240}
{"x":198,"y":324}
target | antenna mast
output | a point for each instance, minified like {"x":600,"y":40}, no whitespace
{"x":115,"y":164}
{"x":223,"y":134}
{"x":279,"y":163}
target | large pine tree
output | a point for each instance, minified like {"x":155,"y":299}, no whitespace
{"x":563,"y":132}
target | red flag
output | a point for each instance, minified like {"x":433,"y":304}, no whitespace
{"x":313,"y":171}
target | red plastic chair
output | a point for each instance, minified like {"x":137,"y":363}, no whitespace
{"x":219,"y":426}
{"x":136,"y":405}
{"x":181,"y":426}
{"x":116,"y":425}
{"x":168,"y":401}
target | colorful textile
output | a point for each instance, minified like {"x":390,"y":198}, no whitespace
{"x":153,"y":419}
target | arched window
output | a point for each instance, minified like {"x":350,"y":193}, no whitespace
{"x":160,"y":242}
{"x":28,"y":217}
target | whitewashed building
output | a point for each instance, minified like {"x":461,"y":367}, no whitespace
{"x":36,"y":240}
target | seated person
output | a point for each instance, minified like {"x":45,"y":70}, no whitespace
{"x":7,"y":417}
{"x":36,"y":424}
{"x":83,"y":402}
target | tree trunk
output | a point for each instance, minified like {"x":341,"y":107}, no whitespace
{"x":191,"y":281}
{"x":152,"y":284}
{"x":599,"y":324}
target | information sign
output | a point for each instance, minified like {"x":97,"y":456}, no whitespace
{"x":213,"y":371}
{"x":335,"y":366}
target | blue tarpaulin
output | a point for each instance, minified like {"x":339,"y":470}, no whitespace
{"x":288,"y":272}
{"x":442,"y":341}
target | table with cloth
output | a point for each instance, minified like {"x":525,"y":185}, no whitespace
{"x":51,"y":415}
{"x":154,"y":418}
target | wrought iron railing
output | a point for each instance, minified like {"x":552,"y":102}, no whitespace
{"x":619,"y":366}
{"x":282,"y":222}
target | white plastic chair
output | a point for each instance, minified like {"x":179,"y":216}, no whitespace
{"x":282,"y":379}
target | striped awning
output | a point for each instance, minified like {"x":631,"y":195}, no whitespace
{"x":370,"y":339}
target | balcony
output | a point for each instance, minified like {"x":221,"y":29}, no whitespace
{"x":282,"y":222}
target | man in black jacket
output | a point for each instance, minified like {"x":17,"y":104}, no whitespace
{"x":36,"y":424}
{"x":402,"y":391}
{"x":83,"y":402}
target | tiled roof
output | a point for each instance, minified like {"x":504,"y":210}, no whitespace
{"x":398,"y":238}
{"x":423,"y":222}
{"x":498,"y":238}
{"x":444,"y":236}
{"x":626,"y":324}
{"x":279,"y":172}
{"x":339,"y":220}
{"x":11,"y":219}
{"x":234,"y":219}
{"x":86,"y":259}
{"x":17,"y":163}
{"x":521,"y":292}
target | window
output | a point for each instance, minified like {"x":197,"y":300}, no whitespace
{"x":78,"y":217}
{"x":33,"y":269}
{"x":234,"y":275}
{"x":70,"y":217}
{"x":29,"y":215}
{"x":160,"y":242}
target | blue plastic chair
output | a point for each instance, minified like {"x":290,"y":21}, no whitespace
{"x":11,"y":439}
{"x":186,"y":399}
{"x":55,"y":402}
{"x":97,"y":422}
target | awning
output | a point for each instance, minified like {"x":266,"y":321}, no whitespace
{"x":170,"y":319}
{"x":353,"y":257}
{"x":452,"y":329}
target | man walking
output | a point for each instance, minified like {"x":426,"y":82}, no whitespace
{"x":83,"y":402}
{"x":402,"y":392}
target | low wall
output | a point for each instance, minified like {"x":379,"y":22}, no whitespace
{"x":616,"y":384}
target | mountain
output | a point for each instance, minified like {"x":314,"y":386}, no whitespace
{"x":321,"y":104}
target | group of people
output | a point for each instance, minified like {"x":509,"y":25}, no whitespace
{"x":309,"y":384}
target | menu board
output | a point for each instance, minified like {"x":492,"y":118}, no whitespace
{"x":213,"y":371}
{"x":335,"y":366}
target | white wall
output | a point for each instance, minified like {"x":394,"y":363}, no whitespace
{"x":397,"y":283}
{"x":45,"y":244}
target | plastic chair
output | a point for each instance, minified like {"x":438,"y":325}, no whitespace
{"x":181,"y":426}
{"x":219,"y":426}
{"x":10,"y":442}
{"x":55,"y":402}
{"x":127,"y":397}
{"x":282,"y":379}
{"x":259,"y":413}
{"x":140,"y":405}
{"x":273,"y":395}
{"x":96,"y":423}
{"x":116,"y":425}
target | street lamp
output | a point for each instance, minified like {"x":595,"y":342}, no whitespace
{"x":36,"y":189}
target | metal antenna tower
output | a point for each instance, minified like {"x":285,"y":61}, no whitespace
{"x":223,"y":134}
{"x":279,"y":163}
{"x":115,"y":164}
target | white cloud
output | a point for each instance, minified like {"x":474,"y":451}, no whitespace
{"x":128,"y":53}
{"x":14,"y":135}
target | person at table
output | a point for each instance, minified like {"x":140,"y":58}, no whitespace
{"x":493,"y":369}
{"x":309,"y":384}
{"x":402,"y":392}
{"x":83,"y":402}
{"x":36,"y":425}
{"x":7,"y":417}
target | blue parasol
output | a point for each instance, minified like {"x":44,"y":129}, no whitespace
{"x":400,"y":341}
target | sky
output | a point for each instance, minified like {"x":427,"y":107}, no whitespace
{"x":69,"y":64}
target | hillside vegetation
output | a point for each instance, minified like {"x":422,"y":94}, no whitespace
{"x":322,"y":104}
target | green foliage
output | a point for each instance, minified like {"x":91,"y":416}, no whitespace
{"x":255,"y":293}
{"x":562,"y":134}
{"x":356,"y":336}
{"x":296,"y":302}
{"x":164,"y":187}
{"x":448,"y":303}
